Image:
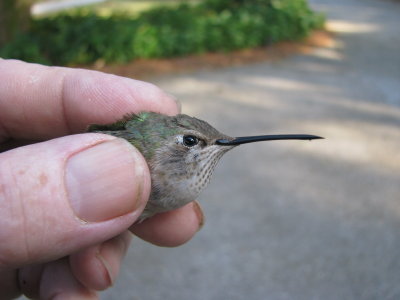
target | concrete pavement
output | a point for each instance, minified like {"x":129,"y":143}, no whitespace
{"x":293,"y":219}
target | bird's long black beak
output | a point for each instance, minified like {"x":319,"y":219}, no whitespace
{"x":259,"y":138}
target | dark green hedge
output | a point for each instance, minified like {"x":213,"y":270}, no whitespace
{"x":213,"y":25}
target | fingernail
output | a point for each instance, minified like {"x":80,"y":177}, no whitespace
{"x":199,"y":213}
{"x":178,"y":103}
{"x":105,"y":181}
{"x":110,"y":254}
{"x":110,"y":278}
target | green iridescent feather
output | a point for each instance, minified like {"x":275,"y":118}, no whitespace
{"x":146,"y":131}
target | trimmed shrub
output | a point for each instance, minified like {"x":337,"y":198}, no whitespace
{"x":213,"y":25}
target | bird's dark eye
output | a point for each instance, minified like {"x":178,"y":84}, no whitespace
{"x":190,"y":140}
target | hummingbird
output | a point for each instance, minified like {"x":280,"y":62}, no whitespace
{"x":181,"y":152}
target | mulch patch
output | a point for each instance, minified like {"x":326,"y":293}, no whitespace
{"x":146,"y":68}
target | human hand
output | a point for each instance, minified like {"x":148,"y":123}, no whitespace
{"x":66,"y":204}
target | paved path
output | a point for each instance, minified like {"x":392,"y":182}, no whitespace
{"x":54,"y":6}
{"x":295,"y":220}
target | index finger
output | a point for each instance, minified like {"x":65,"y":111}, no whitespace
{"x":39,"y":102}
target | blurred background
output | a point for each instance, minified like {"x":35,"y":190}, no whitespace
{"x":284,"y":219}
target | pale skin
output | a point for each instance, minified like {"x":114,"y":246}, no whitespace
{"x":67,"y":205}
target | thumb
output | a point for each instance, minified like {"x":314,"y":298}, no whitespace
{"x":62,"y":195}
